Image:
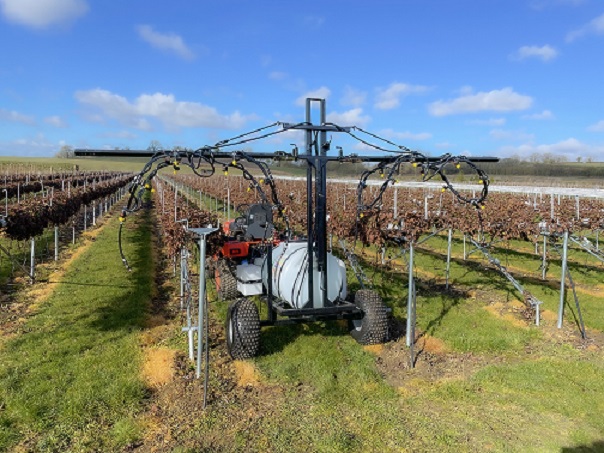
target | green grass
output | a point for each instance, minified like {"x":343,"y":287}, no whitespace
{"x":72,"y":381}
{"x":587,"y":273}
{"x":455,"y":316}
{"x":536,"y":405}
{"x":518,"y":256}
{"x":343,"y":392}
{"x":334,"y":399}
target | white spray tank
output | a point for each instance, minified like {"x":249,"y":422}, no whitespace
{"x":290,"y":276}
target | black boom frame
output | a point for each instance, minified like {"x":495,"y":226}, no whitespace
{"x":316,"y":156}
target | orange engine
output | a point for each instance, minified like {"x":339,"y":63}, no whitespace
{"x":236,"y":249}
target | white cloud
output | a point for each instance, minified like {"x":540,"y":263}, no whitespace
{"x":390,"y":134}
{"x":504,"y":100}
{"x":35,"y":146}
{"x":571,"y":148}
{"x":544,"y":53}
{"x":594,"y":27}
{"x":353,"y":117}
{"x":544,"y":115}
{"x":390,"y":97}
{"x":161,"y":107}
{"x":319,"y":93}
{"x":120,"y":134}
{"x":507,"y":135}
{"x":364,"y":148}
{"x":277,"y":75}
{"x":43,"y":13}
{"x":353,"y":97}
{"x":55,"y":121}
{"x":489,"y":122}
{"x":598,"y":127}
{"x":16,"y":117}
{"x":169,"y":42}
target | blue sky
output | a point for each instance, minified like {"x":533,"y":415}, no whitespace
{"x":474,"y":77}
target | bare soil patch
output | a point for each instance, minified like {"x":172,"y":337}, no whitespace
{"x":158,"y":368}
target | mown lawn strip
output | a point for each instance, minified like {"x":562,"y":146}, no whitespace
{"x":72,"y":380}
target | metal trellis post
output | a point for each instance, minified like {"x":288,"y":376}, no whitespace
{"x":449,"y":244}
{"x":410,"y":307}
{"x":563,"y":279}
{"x":202,"y":323}
{"x":56,"y":243}
{"x":32,"y":271}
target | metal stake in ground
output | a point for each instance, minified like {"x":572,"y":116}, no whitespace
{"x":449,"y":244}
{"x":410,"y":307}
{"x":563,"y":279}
{"x":202,"y":308}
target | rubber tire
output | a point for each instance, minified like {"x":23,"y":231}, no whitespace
{"x":243,"y":329}
{"x":226,"y":283}
{"x":373,"y":327}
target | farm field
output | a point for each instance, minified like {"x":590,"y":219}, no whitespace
{"x":94,"y":358}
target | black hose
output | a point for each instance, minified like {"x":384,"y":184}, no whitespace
{"x":119,"y":240}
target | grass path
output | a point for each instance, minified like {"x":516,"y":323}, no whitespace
{"x":71,"y":381}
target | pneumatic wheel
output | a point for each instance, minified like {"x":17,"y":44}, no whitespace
{"x":226,"y":283}
{"x":243,"y":329}
{"x":372,"y":328}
